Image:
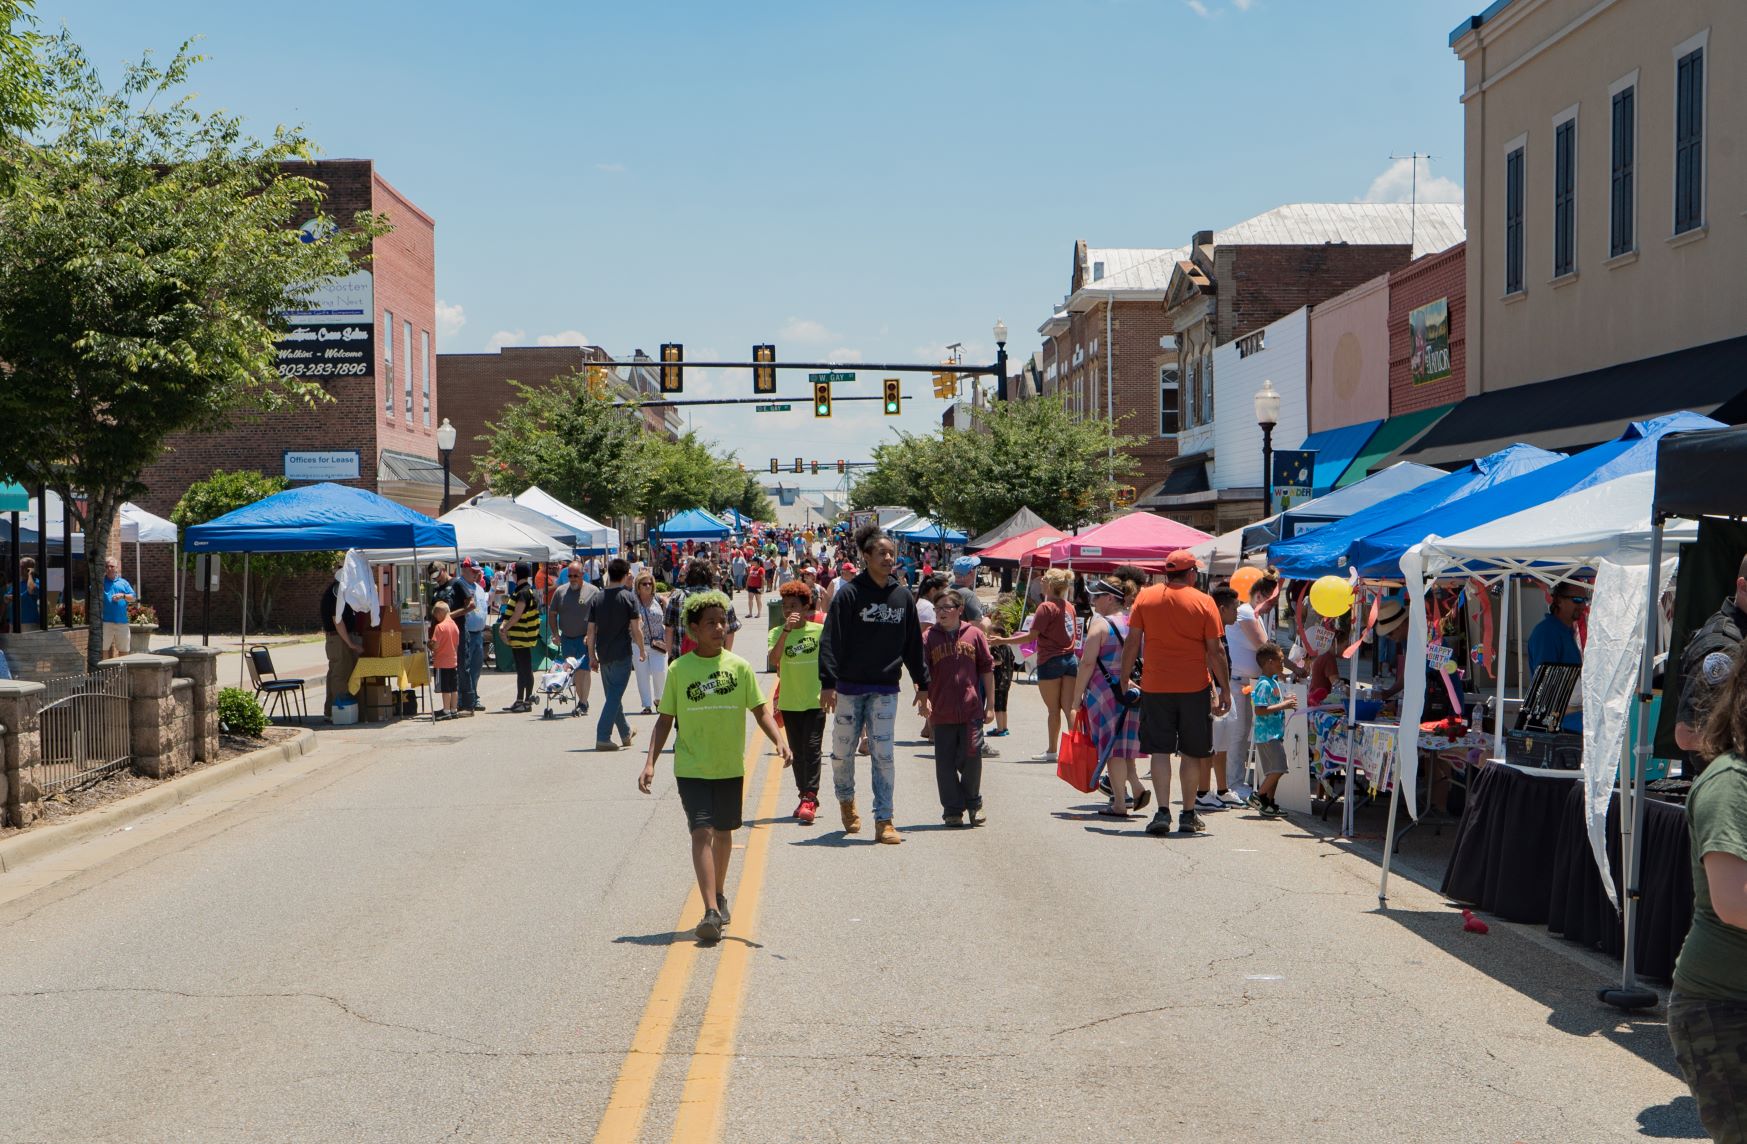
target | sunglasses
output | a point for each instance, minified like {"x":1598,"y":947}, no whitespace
{"x":943,"y":606}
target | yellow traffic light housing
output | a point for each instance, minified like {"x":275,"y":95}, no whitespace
{"x":764,"y":377}
{"x":798,"y":464}
{"x":894,"y":397}
{"x":821,"y":399}
{"x":672,"y":373}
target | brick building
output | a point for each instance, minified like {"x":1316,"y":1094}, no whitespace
{"x":1102,"y":349}
{"x":1234,"y":282}
{"x":378,"y":429}
{"x":1420,"y":283}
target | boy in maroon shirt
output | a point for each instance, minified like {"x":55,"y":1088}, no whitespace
{"x":961,"y":689}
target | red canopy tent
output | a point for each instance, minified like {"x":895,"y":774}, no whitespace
{"x":1139,"y":538}
{"x":1015,"y":548}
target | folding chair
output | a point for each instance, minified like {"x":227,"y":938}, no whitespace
{"x":278,"y":690}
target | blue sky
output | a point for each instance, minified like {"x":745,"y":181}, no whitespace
{"x":867,"y":181}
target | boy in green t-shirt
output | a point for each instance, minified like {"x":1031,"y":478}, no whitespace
{"x":794,"y":653}
{"x":712,"y":688}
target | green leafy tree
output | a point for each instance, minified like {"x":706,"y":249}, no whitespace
{"x":226,"y":492}
{"x":572,"y":439}
{"x":22,"y":85}
{"x":754,"y":502}
{"x":149,"y":255}
{"x":919,"y":472}
{"x":685,"y":474}
{"x":1037,"y":453}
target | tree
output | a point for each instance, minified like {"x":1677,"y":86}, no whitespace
{"x":686,"y":474}
{"x":1037,"y":453}
{"x":574,"y":441}
{"x":226,"y":492}
{"x":919,"y":472}
{"x":754,"y":502}
{"x":148,"y":258}
{"x":22,"y":86}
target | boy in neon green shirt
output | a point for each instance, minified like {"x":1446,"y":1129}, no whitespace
{"x":794,"y":654}
{"x":712,"y":688}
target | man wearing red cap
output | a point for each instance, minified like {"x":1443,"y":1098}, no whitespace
{"x":1184,"y":683}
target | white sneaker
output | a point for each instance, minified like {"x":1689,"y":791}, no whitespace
{"x":1048,"y":756}
{"x":1209,"y":801}
{"x":1233,"y":798}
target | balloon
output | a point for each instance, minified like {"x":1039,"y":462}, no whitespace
{"x":1331,"y":596}
{"x":1244,"y":579}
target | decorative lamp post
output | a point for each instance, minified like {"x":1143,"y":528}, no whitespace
{"x":1268,"y":416}
{"x":1000,"y":360}
{"x":445,"y":446}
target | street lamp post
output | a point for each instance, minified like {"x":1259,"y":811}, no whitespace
{"x":1000,"y":360}
{"x":1268,"y":416}
{"x":445,"y":446}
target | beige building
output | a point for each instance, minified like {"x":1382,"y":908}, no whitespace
{"x":1606,"y":183}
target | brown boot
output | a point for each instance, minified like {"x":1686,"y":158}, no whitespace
{"x":851,"y":820}
{"x":885,"y":832}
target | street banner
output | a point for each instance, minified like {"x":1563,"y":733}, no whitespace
{"x":1294,"y":477}
{"x":1429,"y":327}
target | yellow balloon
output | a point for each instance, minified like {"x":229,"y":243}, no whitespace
{"x":1331,"y":596}
{"x":1244,"y":579}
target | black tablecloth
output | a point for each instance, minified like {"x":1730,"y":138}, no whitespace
{"x":1579,"y":908}
{"x":1503,"y":857}
{"x":1522,"y":852}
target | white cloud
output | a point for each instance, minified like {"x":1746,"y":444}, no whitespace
{"x":564,"y":338}
{"x":610,"y":168}
{"x":1242,"y":5}
{"x":1197,"y":7}
{"x":1396,"y":185}
{"x":806,"y":331}
{"x":843,"y":353}
{"x":506,"y":338}
{"x":450,"y":319}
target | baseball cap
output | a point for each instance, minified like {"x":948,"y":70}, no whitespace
{"x":965,"y":563}
{"x":1182,"y":560}
{"x":467,"y":562}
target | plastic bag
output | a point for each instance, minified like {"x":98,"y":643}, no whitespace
{"x":1076,"y":760}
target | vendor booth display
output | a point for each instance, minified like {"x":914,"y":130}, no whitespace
{"x":925,"y":531}
{"x":592,"y":537}
{"x":692,"y":524}
{"x":1138,"y":538}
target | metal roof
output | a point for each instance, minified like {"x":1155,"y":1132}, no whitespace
{"x":1131,"y":268}
{"x":1430,"y":226}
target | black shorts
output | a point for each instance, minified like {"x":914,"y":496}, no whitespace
{"x":446,"y":680}
{"x":711,"y":802}
{"x":1177,"y":722}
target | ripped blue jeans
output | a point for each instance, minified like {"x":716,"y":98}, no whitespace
{"x":878,"y":714}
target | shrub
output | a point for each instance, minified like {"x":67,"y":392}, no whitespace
{"x":239,"y":713}
{"x":1009,"y":608}
{"x":138,"y":613}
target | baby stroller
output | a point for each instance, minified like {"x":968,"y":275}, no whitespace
{"x":557,"y":687}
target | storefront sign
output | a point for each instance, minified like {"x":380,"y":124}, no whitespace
{"x":327,"y":465}
{"x":1429,"y":327}
{"x":332,"y":331}
{"x":1294,"y":477}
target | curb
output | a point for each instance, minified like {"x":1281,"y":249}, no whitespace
{"x":43,"y":841}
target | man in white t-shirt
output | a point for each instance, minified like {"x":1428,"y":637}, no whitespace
{"x":1242,"y":637}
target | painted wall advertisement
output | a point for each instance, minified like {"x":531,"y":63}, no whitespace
{"x":1430,"y":328}
{"x":333,"y":331}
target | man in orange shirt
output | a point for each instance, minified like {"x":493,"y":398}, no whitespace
{"x":1184,"y":683}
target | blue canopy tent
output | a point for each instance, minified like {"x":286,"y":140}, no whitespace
{"x":694,"y":524}
{"x":933,"y":533}
{"x":1381,"y":486}
{"x":739,"y":520}
{"x":1378,"y":555}
{"x":317,"y":518}
{"x":1325,"y":551}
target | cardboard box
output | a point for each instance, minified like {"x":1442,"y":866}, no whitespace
{"x":379,"y":713}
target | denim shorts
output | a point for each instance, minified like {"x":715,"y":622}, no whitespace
{"x":1059,"y":666}
{"x":574,"y":647}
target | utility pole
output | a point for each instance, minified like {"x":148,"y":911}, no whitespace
{"x":1413,"y":195}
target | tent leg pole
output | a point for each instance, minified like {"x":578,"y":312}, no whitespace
{"x":176,"y":586}
{"x":1499,"y":640}
{"x":1389,"y":843}
{"x":1349,"y":821}
{"x":1631,"y":994}
{"x":242,"y":668}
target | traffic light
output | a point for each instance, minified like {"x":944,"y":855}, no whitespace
{"x":773,"y":465}
{"x":821,"y":399}
{"x":672,"y":375}
{"x":945,"y":383}
{"x":763,"y":377}
{"x":842,"y":465}
{"x":597,"y":380}
{"x":815,"y":468}
{"x":894,"y":397}
{"x":798,"y":465}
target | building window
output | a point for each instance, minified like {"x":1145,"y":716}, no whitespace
{"x":1194,"y":411}
{"x":1513,"y":222}
{"x":1620,"y":215}
{"x":1207,"y":389}
{"x":406,"y":360}
{"x":425,"y":375}
{"x":1565,"y":198}
{"x":1170,"y":402}
{"x":1689,"y":141}
{"x":1252,"y":343}
{"x":388,"y":362}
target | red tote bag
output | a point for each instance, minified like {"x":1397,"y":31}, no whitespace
{"x":1076,"y":760}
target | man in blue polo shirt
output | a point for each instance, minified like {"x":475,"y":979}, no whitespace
{"x":1554,"y":640}
{"x":117,"y":595}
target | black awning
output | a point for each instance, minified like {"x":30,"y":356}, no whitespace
{"x":1586,"y":409}
{"x":1190,"y":478}
{"x":1697,"y":474}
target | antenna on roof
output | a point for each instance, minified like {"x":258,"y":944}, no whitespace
{"x":1413,"y":199}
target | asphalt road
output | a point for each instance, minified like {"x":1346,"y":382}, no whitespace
{"x":467,"y":931}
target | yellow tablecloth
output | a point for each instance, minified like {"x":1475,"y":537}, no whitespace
{"x":406,"y":670}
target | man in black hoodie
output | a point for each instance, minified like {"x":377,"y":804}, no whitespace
{"x":871,"y":634}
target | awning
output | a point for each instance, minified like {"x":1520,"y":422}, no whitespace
{"x":1588,"y":408}
{"x":1183,"y":480}
{"x":413,"y":469}
{"x":1335,"y":450}
{"x":13,"y":498}
{"x":1395,"y":435}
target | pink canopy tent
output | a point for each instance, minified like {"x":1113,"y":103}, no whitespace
{"x":1015,"y":548}
{"x":1138,"y":538}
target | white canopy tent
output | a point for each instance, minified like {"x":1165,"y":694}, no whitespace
{"x":591,"y":534}
{"x":484,"y":536}
{"x":1224,"y":554}
{"x":1605,"y":529}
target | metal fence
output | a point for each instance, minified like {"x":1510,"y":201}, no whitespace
{"x":84,"y":727}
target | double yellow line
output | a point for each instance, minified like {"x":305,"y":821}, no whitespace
{"x":706,"y":1081}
